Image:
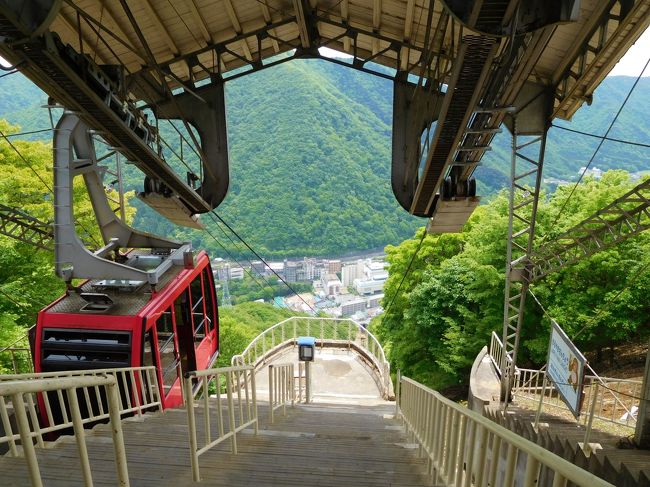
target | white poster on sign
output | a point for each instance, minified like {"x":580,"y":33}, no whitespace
{"x":566,"y":369}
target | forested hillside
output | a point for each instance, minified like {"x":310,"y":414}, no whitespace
{"x":452,"y":298}
{"x":310,"y":157}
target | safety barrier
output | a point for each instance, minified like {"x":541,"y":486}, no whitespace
{"x":464,"y":449}
{"x":344,"y":333}
{"x":21,"y":394}
{"x":137,"y":391}
{"x":281,"y":388}
{"x":241,"y":413}
{"x":606,"y":398}
{"x":18,"y":354}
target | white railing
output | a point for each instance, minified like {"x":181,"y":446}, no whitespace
{"x":496,"y":352}
{"x":345,"y":333}
{"x":613,"y":401}
{"x":19,"y":354}
{"x":137,"y":389}
{"x":21,"y":394}
{"x":281,"y":388}
{"x":465,"y":449}
{"x":241,"y":412}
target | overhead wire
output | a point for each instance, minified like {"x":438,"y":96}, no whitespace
{"x":406,"y":273}
{"x":602,"y":141}
{"x":610,"y":139}
{"x":232,"y":230}
{"x":238,"y":248}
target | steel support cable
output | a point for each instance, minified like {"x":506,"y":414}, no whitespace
{"x":233,"y":258}
{"x":602,"y":140}
{"x":261,"y":259}
{"x":408,"y":269}
{"x":216,"y":222}
{"x":610,"y":139}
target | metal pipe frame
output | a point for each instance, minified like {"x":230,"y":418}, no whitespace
{"x":18,"y":390}
{"x":281,"y":389}
{"x":241,"y":412}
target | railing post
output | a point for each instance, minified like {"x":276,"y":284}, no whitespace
{"x":271,"y":394}
{"x":191,"y":422}
{"x":397,"y":392}
{"x":80,"y":437}
{"x":254,"y":395}
{"x":26,"y":439}
{"x":231,"y":412}
{"x":586,"y":446}
{"x":539,"y":406}
{"x":118,"y":435}
{"x":307,"y":382}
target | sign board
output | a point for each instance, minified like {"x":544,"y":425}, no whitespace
{"x":566,"y":369}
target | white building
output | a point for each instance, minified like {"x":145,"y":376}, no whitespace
{"x":236,"y":273}
{"x":375,"y":301}
{"x":331,"y":284}
{"x":352,"y":307}
{"x":373,"y":278}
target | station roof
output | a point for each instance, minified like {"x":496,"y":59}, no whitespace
{"x":190,"y":40}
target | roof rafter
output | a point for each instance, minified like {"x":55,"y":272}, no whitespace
{"x":376,"y":24}
{"x":84,"y":37}
{"x":408,"y":27}
{"x":267,"y":18}
{"x":237,"y":26}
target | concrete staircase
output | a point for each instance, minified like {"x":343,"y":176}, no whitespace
{"x":614,"y":463}
{"x":335,"y":445}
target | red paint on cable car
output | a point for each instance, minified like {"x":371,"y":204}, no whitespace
{"x":176,"y":329}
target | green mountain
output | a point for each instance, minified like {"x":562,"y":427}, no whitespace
{"x":310,"y":157}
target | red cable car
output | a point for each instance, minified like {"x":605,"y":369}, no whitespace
{"x":113,"y":324}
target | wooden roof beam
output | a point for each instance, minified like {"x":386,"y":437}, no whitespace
{"x":302,"y":23}
{"x":161,"y":28}
{"x":408,"y":28}
{"x":198,"y":20}
{"x":237,"y":26}
{"x":345,"y":17}
{"x":376,"y":24}
{"x":267,"y":18}
{"x":84,"y":38}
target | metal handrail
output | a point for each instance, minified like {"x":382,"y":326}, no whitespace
{"x":281,"y":388}
{"x":138,"y":393}
{"x":456,"y":442}
{"x":241,"y":412}
{"x":18,"y":390}
{"x":607,"y":403}
{"x":337,"y":330}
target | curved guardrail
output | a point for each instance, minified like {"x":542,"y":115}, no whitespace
{"x":336,"y":332}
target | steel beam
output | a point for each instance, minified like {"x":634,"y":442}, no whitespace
{"x":625,"y":217}
{"x":19,"y":225}
{"x":527,"y":161}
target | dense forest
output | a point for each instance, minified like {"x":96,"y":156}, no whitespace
{"x":452,"y":298}
{"x":310,"y":157}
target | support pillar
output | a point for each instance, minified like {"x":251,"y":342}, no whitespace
{"x":529,"y":126}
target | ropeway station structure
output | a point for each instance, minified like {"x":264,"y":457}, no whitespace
{"x":461,"y":72}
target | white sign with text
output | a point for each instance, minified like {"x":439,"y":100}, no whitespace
{"x":566,"y":369}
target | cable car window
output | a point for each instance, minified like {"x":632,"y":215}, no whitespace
{"x":198,"y":311}
{"x":167,"y":349}
{"x":147,"y":350}
{"x":184,"y":330}
{"x":208,"y":286}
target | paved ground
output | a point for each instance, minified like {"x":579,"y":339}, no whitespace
{"x":339,"y":376}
